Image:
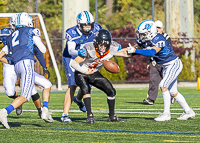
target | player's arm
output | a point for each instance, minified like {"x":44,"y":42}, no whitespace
{"x":72,"y":48}
{"x":144,"y":52}
{"x":37,"y":40}
{"x":122,"y":53}
{"x":76,"y":65}
{"x":3,"y":52}
{"x":41,"y":59}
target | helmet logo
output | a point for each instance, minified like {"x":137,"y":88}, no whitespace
{"x":79,"y":16}
{"x":147,"y":27}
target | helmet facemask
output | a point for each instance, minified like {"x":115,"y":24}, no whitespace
{"x":102,"y":41}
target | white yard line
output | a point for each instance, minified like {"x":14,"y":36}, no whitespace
{"x":127,"y":111}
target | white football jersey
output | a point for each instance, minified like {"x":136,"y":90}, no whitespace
{"x":94,"y":60}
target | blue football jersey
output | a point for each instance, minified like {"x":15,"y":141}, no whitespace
{"x":20,"y":44}
{"x":166,"y":53}
{"x":74,"y":34}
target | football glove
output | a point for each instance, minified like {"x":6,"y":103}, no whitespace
{"x":10,"y":62}
{"x":45,"y":71}
{"x":82,"y":52}
{"x":130,"y":49}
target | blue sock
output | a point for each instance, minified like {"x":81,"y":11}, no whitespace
{"x":9,"y":109}
{"x":45,"y":104}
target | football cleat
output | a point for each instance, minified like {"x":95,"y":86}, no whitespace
{"x":90,"y":119}
{"x":19,"y":110}
{"x":148,"y":101}
{"x":187,"y":115}
{"x":3,"y":118}
{"x":46,"y":116}
{"x":115,"y":119}
{"x":163,"y":117}
{"x":80,"y":105}
{"x":65,"y":118}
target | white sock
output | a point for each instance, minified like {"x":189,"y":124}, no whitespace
{"x":166,"y":101}
{"x":65,"y":114}
{"x":181,"y":101}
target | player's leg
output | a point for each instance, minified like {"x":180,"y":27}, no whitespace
{"x":9,"y":81}
{"x":170,"y":72}
{"x":155,"y":75}
{"x":69,"y":95}
{"x":46,"y":84}
{"x":82,"y":81}
{"x":105,"y":85}
{"x":188,"y":112}
{"x":27,"y":83}
{"x":36,"y":100}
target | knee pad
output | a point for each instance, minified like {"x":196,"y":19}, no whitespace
{"x":11,"y":96}
{"x":111,"y":93}
{"x":35,"y":97}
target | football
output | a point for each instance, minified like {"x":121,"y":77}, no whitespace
{"x":111,"y":66}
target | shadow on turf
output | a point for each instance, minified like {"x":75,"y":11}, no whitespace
{"x":73,"y":119}
{"x":16,"y":124}
{"x":141,"y":103}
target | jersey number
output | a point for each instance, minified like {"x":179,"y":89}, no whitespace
{"x":14,"y":37}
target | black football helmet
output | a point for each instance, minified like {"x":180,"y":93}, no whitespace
{"x":102,"y":37}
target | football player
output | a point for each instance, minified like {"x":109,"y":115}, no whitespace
{"x":19,"y":47}
{"x":10,"y":78}
{"x":87,"y":66}
{"x":76,"y":37}
{"x":171,"y":64}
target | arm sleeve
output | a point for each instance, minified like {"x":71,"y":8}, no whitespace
{"x":40,"y":57}
{"x":146,"y":52}
{"x":71,"y":48}
{"x":79,"y":68}
{"x":37,"y":41}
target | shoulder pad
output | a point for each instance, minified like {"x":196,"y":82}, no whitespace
{"x":36,"y":32}
{"x":114,"y":47}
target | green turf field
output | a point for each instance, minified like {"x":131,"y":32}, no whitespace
{"x":139,"y":125}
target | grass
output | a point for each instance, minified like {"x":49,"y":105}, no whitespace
{"x":139,"y":125}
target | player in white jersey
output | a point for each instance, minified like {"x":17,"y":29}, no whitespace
{"x":172,"y":66}
{"x":87,"y":66}
{"x":20,"y":48}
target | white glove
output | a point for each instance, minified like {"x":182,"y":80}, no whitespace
{"x":130,"y":49}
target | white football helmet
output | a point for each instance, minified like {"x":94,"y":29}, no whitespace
{"x":85,"y":18}
{"x":146,"y":30}
{"x":24,"y":19}
{"x":13,"y":22}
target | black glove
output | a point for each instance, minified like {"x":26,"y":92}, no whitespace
{"x":45,"y":71}
{"x":10,"y":62}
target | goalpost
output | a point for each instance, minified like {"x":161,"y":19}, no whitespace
{"x":8,"y":15}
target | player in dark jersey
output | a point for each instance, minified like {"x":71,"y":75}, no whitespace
{"x":87,"y":73}
{"x":171,"y":64}
{"x":155,"y":69}
{"x":76,"y":37}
